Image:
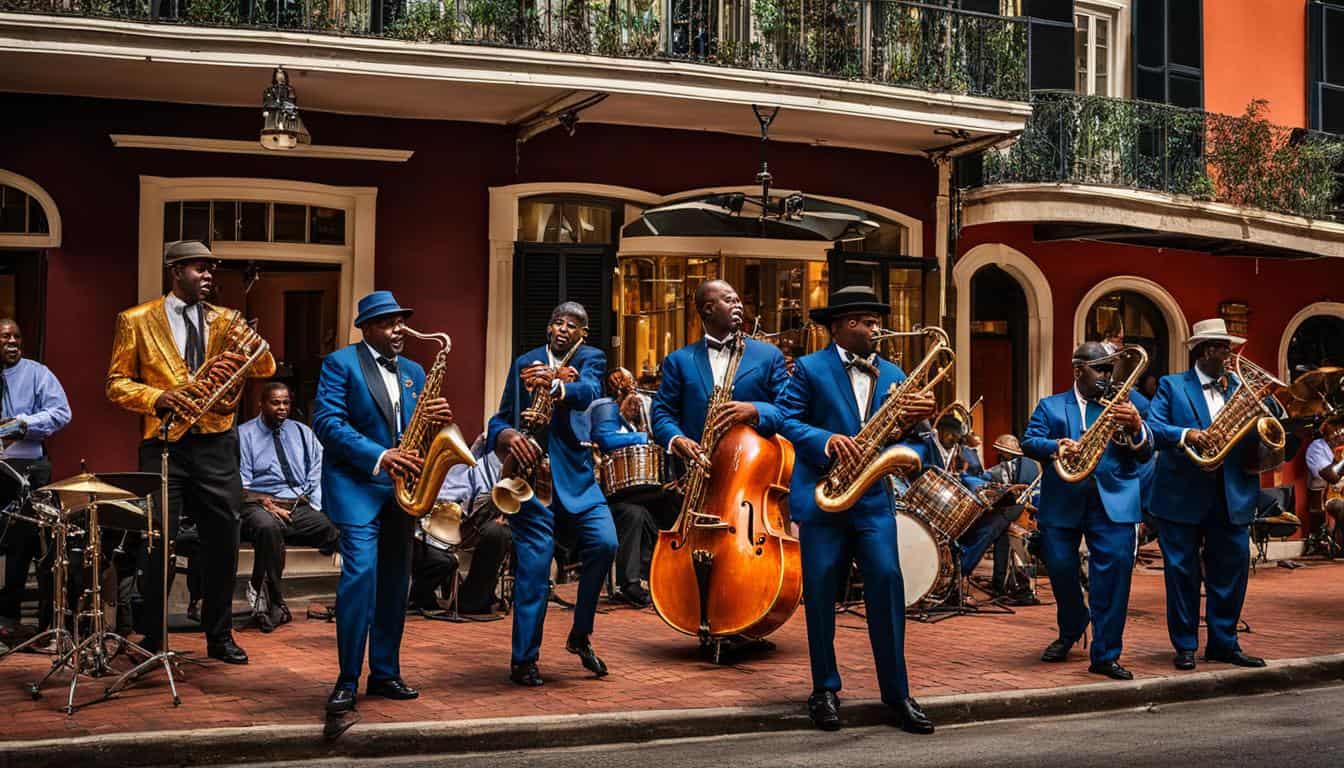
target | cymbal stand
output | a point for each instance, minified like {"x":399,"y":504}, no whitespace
{"x":66,"y":639}
{"x":165,"y":657}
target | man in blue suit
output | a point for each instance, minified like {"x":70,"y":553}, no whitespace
{"x":365,"y":397}
{"x":1104,"y":509}
{"x":575,"y":491}
{"x":1198,"y":509}
{"x":831,"y":394}
{"x":690,"y":375}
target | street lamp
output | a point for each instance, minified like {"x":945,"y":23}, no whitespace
{"x":281,"y":126}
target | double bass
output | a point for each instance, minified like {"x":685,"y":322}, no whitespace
{"x":729,"y":567}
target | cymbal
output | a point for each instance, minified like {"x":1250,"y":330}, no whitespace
{"x":85,"y":488}
{"x":1317,"y":384}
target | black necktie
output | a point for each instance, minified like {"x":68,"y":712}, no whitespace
{"x":195,"y":356}
{"x":715,"y":345}
{"x":864,"y":366}
{"x":285,"y":469}
{"x":388,"y":364}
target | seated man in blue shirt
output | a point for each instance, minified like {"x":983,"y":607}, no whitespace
{"x":34,"y":407}
{"x":281,"y":463}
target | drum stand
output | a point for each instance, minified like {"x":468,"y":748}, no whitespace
{"x":948,"y":609}
{"x":66,"y":640}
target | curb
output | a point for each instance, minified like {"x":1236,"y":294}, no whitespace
{"x":303,"y":742}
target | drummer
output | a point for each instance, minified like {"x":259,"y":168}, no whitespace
{"x":944,"y":447}
{"x":638,"y":514}
{"x":34,"y":407}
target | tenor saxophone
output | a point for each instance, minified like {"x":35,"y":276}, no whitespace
{"x":1245,"y":410}
{"x":208,"y":394}
{"x":439,"y":444}
{"x":1092,"y":444}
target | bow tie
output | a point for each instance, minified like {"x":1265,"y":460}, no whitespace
{"x":1221,"y":383}
{"x":388,"y":364}
{"x":864,"y":365}
{"x":715,"y":345}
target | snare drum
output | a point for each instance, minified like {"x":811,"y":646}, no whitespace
{"x":944,"y":502}
{"x":926,"y":560}
{"x":632,"y":468}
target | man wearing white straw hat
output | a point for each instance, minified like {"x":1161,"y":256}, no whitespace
{"x":1198,"y":509}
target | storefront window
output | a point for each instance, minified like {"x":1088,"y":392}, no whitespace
{"x":551,"y":220}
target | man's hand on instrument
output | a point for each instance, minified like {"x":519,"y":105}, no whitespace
{"x":438,"y":410}
{"x":1128,"y":416}
{"x":398,"y":461}
{"x":735,"y":412}
{"x":690,"y":451}
{"x":177,"y":401}
{"x":567,"y":374}
{"x":223,"y":366}
{"x":843,"y":448}
{"x":1199,"y":439}
{"x":1068,"y":448}
{"x":919,"y":404}
{"x":537,"y":375}
{"x":521,"y":447}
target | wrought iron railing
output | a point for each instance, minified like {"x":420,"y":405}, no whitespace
{"x":912,"y":44}
{"x":1243,"y":160}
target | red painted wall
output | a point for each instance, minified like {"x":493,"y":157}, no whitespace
{"x":1255,"y":51}
{"x":432,"y":236}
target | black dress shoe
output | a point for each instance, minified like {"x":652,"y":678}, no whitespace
{"x":227,"y":652}
{"x":824,"y":709}
{"x":913,"y":719}
{"x":396,"y":688}
{"x":584,"y":650}
{"x":1183,"y":660}
{"x":1234,"y":657}
{"x":341,"y":700}
{"x":1111,"y":669}
{"x":1057,"y":651}
{"x":526,"y":674}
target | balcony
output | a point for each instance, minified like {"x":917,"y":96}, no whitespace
{"x":1139,"y":172}
{"x":900,"y":76}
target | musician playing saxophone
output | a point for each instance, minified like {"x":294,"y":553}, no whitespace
{"x":158,"y":345}
{"x":831,"y":395}
{"x":1103,"y":508}
{"x":575,"y":490}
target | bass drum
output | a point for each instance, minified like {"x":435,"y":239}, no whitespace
{"x":925,"y":560}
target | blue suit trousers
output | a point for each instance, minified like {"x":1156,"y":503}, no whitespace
{"x":371,"y":595}
{"x":534,"y":548}
{"x":1110,"y":565}
{"x":827,"y":550}
{"x":1226,"y":567}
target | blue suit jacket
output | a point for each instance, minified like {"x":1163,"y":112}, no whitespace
{"x":818,"y":403}
{"x":1117,"y":476}
{"x":353,"y":418}
{"x":926,"y":446}
{"x":687,"y":382}
{"x":1149,"y":467}
{"x":571,"y":463}
{"x":1182,"y":492}
{"x":607,"y":427}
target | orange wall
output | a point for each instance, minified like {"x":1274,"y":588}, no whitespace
{"x":1256,"y":49}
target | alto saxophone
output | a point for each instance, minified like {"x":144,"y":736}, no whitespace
{"x":847,"y":482}
{"x":1092,"y":444}
{"x":207,"y":394}
{"x":1244,"y":410}
{"x":439,"y":444}
{"x":513,"y":488}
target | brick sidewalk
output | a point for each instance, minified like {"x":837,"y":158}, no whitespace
{"x":461,"y":669}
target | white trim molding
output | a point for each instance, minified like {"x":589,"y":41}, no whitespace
{"x":355,"y":258}
{"x":1315,"y":309}
{"x":34,"y":190}
{"x":1040,"y":314}
{"x":239,"y":147}
{"x":1178,"y":330}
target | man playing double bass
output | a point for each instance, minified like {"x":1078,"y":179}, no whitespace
{"x":828,"y":399}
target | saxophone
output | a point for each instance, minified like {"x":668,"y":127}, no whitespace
{"x":206,"y":393}
{"x":1244,"y":410}
{"x":513,"y":489}
{"x":440,"y":445}
{"x":847,"y":482}
{"x":1092,"y":444}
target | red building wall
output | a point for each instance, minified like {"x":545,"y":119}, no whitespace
{"x":432,"y":236}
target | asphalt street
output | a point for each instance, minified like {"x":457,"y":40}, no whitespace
{"x":1295,"y":729}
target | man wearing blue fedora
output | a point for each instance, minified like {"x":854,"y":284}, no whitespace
{"x":365,"y":398}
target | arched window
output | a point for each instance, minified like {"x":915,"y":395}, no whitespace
{"x":1134,"y":318}
{"x":29,"y":224}
{"x":1317,"y":341}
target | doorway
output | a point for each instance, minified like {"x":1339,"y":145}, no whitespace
{"x":999,"y":364}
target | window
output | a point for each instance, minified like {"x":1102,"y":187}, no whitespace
{"x":1051,"y":42}
{"x":1326,"y":64}
{"x":1137,"y":319}
{"x":559,"y":220}
{"x":1094,"y":53}
{"x":1169,"y":52}
{"x":1317,"y":342}
{"x":20,"y":214}
{"x":213,"y":221}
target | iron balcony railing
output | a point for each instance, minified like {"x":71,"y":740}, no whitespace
{"x":1243,"y":160}
{"x":912,"y":44}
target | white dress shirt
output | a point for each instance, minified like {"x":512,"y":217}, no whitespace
{"x":718,"y":359}
{"x":1319,"y":456}
{"x":859,"y":381}
{"x":178,"y":325}
{"x":393,"y":388}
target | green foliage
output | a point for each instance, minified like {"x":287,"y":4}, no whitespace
{"x":425,"y":22}
{"x":221,"y":12}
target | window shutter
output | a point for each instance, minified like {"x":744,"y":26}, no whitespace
{"x":1050,"y":40}
{"x":543,"y":277}
{"x":1169,"y":52}
{"x":1325,"y":99}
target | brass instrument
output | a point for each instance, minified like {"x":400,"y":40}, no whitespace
{"x":512,"y":489}
{"x":847,"y":482}
{"x":695,"y":483}
{"x":1245,"y":409}
{"x":440,"y":445}
{"x":1092,"y":444}
{"x":207,"y":394}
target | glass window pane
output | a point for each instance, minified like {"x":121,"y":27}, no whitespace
{"x":327,"y":225}
{"x":226,"y":220}
{"x":1184,"y":41}
{"x":1149,"y":28}
{"x":37,"y":218}
{"x":172,"y":222}
{"x":593,"y":223}
{"x":252,"y":222}
{"x":196,"y":221}
{"x":1080,"y":53}
{"x":13,"y":210}
{"x":1103,"y":48}
{"x":290,"y":223}
{"x":1185,"y":91}
{"x":543,"y":220}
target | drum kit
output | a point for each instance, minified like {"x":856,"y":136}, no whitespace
{"x":82,"y":509}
